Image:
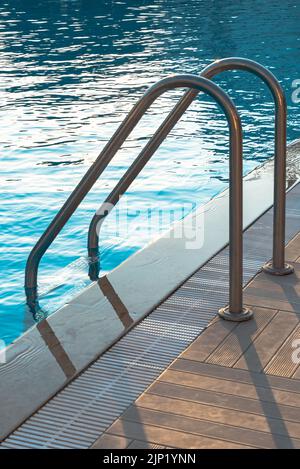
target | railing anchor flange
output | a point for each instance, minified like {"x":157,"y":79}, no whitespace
{"x":244,"y":315}
{"x":269,"y":268}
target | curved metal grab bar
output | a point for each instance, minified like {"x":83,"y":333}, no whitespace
{"x":235,"y":310}
{"x":278,"y":265}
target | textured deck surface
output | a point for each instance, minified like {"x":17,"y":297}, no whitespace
{"x":235,"y":386}
{"x":208,"y":397}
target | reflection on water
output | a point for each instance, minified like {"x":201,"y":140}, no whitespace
{"x":72,"y":69}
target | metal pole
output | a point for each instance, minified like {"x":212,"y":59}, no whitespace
{"x":278,"y":265}
{"x":235,"y":310}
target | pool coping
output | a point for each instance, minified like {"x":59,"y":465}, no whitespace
{"x":34,"y":373}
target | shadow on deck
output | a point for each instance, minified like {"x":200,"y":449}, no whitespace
{"x":235,"y":386}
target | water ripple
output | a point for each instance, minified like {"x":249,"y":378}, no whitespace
{"x":70,"y":72}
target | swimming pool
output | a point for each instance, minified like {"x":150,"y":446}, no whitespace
{"x":71,"y":70}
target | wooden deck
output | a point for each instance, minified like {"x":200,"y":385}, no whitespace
{"x":236,"y":386}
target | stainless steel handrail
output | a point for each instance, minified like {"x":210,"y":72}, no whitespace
{"x":277,"y":266}
{"x":235,"y":311}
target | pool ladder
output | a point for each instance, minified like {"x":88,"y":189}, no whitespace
{"x":235,"y":310}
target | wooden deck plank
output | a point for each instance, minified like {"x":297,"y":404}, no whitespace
{"x":227,"y":401}
{"x":210,"y":429}
{"x":262,"y":349}
{"x":296,"y":374}
{"x":293,"y":248}
{"x":171,"y":437}
{"x":138,"y":444}
{"x":282,"y":363}
{"x":232,"y":387}
{"x":275,"y":292}
{"x":236,"y":385}
{"x":210,"y":413}
{"x":235,"y":344}
{"x":259,"y":300}
{"x":107,"y":441}
{"x":234,"y":374}
{"x":210,"y":339}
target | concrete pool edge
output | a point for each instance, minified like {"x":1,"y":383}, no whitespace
{"x":73,"y":341}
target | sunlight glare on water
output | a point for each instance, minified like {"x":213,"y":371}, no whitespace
{"x":70,"y":72}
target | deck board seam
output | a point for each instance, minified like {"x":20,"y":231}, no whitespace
{"x":122,"y":419}
{"x":278,"y":351}
{"x":184,"y":432}
{"x":227,"y":379}
{"x":254,"y":340}
{"x":288,"y":407}
{"x":143,"y":406}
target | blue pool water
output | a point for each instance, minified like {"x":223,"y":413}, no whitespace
{"x":71,"y":70}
